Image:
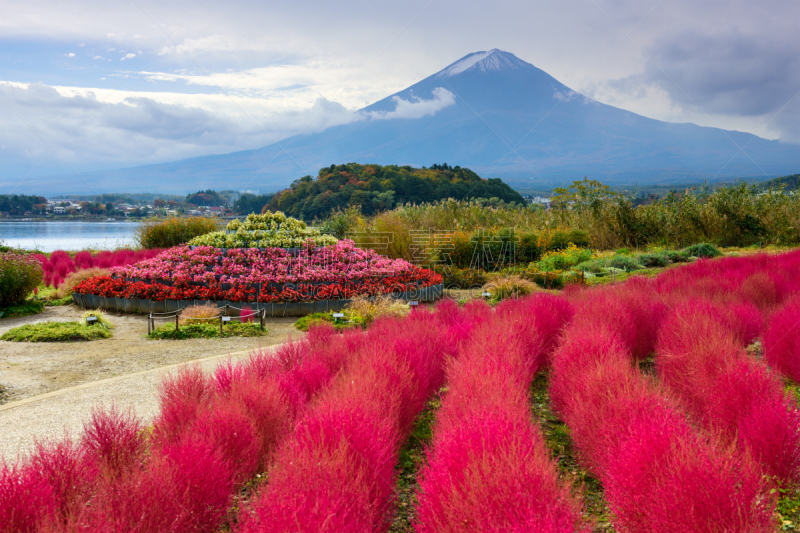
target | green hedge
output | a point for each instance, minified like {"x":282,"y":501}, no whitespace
{"x":19,"y":275}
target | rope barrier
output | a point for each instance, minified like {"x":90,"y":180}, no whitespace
{"x":151,"y":318}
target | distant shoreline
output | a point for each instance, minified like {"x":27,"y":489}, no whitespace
{"x":87,"y":219}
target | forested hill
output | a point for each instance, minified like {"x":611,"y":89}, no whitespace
{"x":377,"y":188}
{"x":789,"y":183}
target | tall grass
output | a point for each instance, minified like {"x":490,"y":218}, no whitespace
{"x":736,"y":215}
{"x":173,"y":231}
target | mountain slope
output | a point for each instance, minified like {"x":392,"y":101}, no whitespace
{"x":499,"y":116}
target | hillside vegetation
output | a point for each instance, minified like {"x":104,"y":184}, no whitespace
{"x":588,"y":214}
{"x":378,"y":188}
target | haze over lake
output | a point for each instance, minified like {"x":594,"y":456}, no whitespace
{"x":51,"y":236}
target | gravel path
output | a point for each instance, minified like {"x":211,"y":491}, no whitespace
{"x":53,"y":414}
{"x":34,"y":368}
{"x":52,"y":387}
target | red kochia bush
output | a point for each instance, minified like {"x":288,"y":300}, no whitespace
{"x":664,"y":478}
{"x":781,"y":341}
{"x":186,"y":488}
{"x":659,"y":475}
{"x":488,"y":467}
{"x":336,"y":472}
{"x":115,"y":441}
{"x":60,"y":263}
{"x":26,"y":499}
{"x":701,"y":359}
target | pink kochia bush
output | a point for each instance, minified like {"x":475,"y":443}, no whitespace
{"x":336,"y":472}
{"x":216,"y":432}
{"x":659,"y":474}
{"x":213,"y":433}
{"x":60,"y":263}
{"x":701,"y":357}
{"x":488,"y":467}
{"x":781,"y":341}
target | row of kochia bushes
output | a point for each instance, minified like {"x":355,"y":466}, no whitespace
{"x":699,"y":448}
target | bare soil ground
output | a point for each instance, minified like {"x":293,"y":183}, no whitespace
{"x":32,"y":368}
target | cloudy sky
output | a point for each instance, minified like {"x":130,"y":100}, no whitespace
{"x":92,"y":84}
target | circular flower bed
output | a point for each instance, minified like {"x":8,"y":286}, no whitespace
{"x":268,"y":275}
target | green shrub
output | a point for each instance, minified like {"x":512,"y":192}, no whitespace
{"x":595,"y":266}
{"x":207,"y":331}
{"x":19,"y":275}
{"x":625,"y":262}
{"x":58,"y":301}
{"x":703,"y":249}
{"x":55,"y":332}
{"x":29,"y":307}
{"x":561,"y":239}
{"x":101,"y":322}
{"x":563,"y":259}
{"x":173,"y":231}
{"x":656,"y":260}
{"x":491,"y":250}
{"x":547,"y":280}
{"x":676,"y":256}
{"x":461,"y":278}
{"x":502,"y":287}
{"x":351,"y":320}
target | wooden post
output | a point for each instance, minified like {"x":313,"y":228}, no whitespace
{"x":176,"y":323}
{"x":261,"y":317}
{"x":149,"y":317}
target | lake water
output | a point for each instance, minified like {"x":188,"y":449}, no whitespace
{"x":51,"y":236}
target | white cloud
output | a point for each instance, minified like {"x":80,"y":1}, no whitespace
{"x":417,"y":108}
{"x":141,"y":127}
{"x":98,"y":57}
{"x":284,"y":63}
{"x":70,"y":54}
{"x":127,"y":56}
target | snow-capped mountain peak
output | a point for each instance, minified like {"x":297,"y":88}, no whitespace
{"x":483,"y":61}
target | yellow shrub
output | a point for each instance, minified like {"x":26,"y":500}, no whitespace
{"x":199,"y":314}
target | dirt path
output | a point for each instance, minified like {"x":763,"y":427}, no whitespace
{"x":63,"y":413}
{"x":30,"y":369}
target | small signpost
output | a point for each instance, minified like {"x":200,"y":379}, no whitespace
{"x":91,"y":320}
{"x":413,"y":304}
{"x":487,"y":294}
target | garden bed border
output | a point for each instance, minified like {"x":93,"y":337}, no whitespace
{"x":277,"y":309}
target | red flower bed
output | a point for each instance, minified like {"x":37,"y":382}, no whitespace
{"x":111,"y":287}
{"x":254,"y":275}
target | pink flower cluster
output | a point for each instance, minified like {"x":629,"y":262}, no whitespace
{"x":204,"y":264}
{"x":60,"y":263}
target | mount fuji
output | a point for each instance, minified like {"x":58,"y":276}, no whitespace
{"x":499,"y":116}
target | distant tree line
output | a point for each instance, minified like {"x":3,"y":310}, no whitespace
{"x":18,"y":204}
{"x":376,"y":188}
{"x":251,"y":203}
